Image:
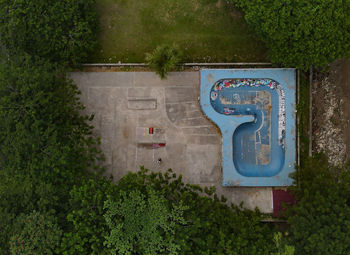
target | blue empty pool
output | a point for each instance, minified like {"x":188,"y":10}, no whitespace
{"x":257,"y":150}
{"x":252,"y":113}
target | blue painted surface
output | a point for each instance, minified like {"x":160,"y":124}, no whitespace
{"x":255,"y":152}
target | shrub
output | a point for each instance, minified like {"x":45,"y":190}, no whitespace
{"x":281,"y":247}
{"x":164,"y":59}
{"x":300,"y":33}
{"x":320,"y":221}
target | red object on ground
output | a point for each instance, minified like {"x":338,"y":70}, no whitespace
{"x":150,"y":130}
{"x":281,"y":197}
{"x":158,"y":145}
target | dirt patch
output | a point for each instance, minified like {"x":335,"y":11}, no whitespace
{"x":343,"y":83}
{"x":331,"y":112}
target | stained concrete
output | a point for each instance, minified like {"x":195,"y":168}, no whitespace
{"x":192,"y":143}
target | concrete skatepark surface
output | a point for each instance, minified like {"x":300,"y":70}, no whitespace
{"x":126,"y":104}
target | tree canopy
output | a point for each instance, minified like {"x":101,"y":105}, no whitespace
{"x":142,"y":224}
{"x":46,"y":145}
{"x":31,"y":231}
{"x":62,"y":31}
{"x":301,"y":33}
{"x":320,"y":221}
{"x":183,"y":218}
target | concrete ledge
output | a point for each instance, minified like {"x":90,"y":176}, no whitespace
{"x":142,"y":104}
{"x":184,"y":64}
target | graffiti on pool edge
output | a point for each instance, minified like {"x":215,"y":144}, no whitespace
{"x":248,"y":82}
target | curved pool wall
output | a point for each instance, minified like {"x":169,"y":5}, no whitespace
{"x":255,"y":111}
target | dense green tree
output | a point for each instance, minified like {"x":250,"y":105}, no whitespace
{"x":62,"y":31}
{"x":301,"y":33}
{"x":211,"y":227}
{"x":45,"y":143}
{"x":164,"y":59}
{"x":142,"y":223}
{"x":35,"y":234}
{"x":320,"y":221}
{"x":89,"y":228}
{"x":281,"y":247}
{"x":41,"y":130}
{"x":22,"y":194}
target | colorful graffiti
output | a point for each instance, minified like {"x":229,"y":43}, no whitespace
{"x":236,"y":83}
{"x":223,"y":84}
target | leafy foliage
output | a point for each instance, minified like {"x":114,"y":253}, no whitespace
{"x":22,"y":194}
{"x":142,"y":224}
{"x":282,"y":248}
{"x":301,"y":33}
{"x":164,"y":59}
{"x":211,"y":226}
{"x":62,"y":31}
{"x":45,"y":143}
{"x":86,"y":216}
{"x":35,"y":234}
{"x":143,"y":204}
{"x":42,"y":131}
{"x":320,"y":222}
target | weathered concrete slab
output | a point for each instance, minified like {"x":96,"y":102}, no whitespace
{"x":174,"y":79}
{"x":103,"y":79}
{"x":209,"y":130}
{"x":193,"y":143}
{"x":179,"y":95}
{"x":142,"y":104}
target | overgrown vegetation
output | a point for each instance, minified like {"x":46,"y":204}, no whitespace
{"x":61,"y":31}
{"x":320,"y":221}
{"x":180,"y":221}
{"x":46,"y":146}
{"x":142,"y":223}
{"x":301,"y":33}
{"x":32,"y":231}
{"x":282,"y":247}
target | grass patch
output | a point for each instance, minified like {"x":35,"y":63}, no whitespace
{"x":205,"y":30}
